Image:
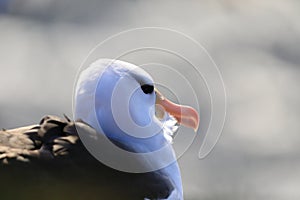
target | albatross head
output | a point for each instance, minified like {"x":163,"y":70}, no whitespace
{"x":119,"y":99}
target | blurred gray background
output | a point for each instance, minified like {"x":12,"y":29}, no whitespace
{"x":256,"y":45}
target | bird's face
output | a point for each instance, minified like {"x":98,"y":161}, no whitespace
{"x":127,"y":101}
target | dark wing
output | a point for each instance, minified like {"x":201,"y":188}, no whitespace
{"x":48,"y":160}
{"x":47,"y":140}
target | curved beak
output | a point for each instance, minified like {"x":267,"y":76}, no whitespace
{"x":185,"y":115}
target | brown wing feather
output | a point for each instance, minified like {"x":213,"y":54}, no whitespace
{"x":51,"y":138}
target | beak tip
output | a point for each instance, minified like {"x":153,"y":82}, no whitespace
{"x":196,"y":119}
{"x":196,"y":127}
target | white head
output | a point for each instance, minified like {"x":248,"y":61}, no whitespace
{"x":119,"y":100}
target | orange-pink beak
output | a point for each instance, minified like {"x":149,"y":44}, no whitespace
{"x":185,"y":115}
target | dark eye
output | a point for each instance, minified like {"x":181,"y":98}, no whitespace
{"x":147,"y":89}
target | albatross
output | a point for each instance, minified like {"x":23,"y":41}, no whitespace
{"x":118,"y":101}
